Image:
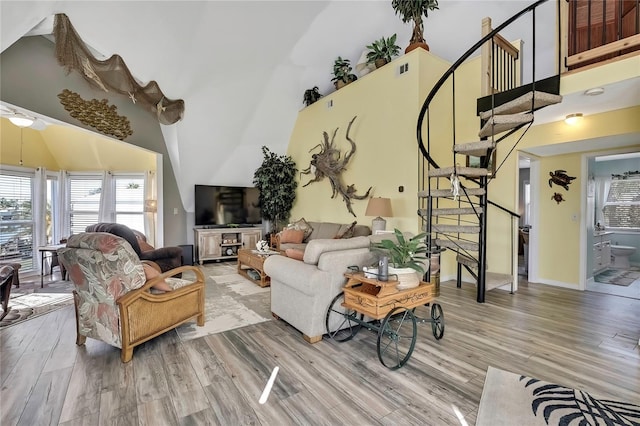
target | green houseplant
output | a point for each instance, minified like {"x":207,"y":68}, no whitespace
{"x":412,"y":10}
{"x":275,"y":179}
{"x":342,"y":74}
{"x":406,"y":257}
{"x":382,"y":51}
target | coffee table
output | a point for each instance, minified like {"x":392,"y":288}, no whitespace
{"x":253,"y":259}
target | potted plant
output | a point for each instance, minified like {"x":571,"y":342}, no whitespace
{"x":382,"y":51}
{"x":406,"y":257}
{"x":342,"y":72}
{"x":412,"y":10}
{"x":275,"y":179}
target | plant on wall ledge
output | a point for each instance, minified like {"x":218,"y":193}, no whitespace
{"x":382,"y":51}
{"x":412,"y":10}
{"x":342,"y":74}
{"x":275,"y":179}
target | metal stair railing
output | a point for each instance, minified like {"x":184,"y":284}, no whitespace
{"x":483,"y":181}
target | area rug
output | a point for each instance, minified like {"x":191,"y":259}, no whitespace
{"x":231,"y":302}
{"x":512,"y":399}
{"x":621,"y":277}
{"x":25,"y":306}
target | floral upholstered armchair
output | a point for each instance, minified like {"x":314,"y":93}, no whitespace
{"x":113,"y":300}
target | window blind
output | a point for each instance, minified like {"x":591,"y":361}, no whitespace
{"x":622,"y":208}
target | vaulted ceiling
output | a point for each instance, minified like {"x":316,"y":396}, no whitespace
{"x":242,"y":66}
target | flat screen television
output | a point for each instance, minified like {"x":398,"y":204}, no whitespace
{"x":226,"y":205}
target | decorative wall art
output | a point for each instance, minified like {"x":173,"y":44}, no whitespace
{"x":560,"y":178}
{"x":97,"y":114}
{"x":557,"y":197}
{"x":327,"y":163}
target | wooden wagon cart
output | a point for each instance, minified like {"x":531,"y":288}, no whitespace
{"x":381,"y":307}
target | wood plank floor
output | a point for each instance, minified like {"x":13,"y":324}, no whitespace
{"x":579,"y":339}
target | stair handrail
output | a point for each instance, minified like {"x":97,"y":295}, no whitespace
{"x":504,"y":209}
{"x":451,"y":70}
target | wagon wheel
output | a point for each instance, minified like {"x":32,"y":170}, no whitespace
{"x":397,"y":338}
{"x":437,"y":321}
{"x":342,"y":322}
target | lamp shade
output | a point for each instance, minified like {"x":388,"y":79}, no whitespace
{"x":379,"y":207}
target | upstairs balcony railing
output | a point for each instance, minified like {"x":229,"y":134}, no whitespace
{"x":599,"y":30}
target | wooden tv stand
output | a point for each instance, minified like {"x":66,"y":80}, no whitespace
{"x":224,"y":243}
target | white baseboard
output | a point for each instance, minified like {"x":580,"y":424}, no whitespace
{"x":573,"y":286}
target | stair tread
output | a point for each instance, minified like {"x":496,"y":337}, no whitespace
{"x":523,"y":103}
{"x":477,"y":149}
{"x":461,"y":171}
{"x":495,"y":280}
{"x":449,"y":211}
{"x":447,"y":192}
{"x":457,"y":244}
{"x":502,"y":123}
{"x":462,"y":229}
{"x":467,"y":260}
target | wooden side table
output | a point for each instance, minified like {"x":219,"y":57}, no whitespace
{"x":52,"y":250}
{"x":251,"y":259}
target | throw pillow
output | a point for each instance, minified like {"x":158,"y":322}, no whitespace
{"x":346,"y":231}
{"x":294,"y":236}
{"x":303,"y":225}
{"x":294,"y":253}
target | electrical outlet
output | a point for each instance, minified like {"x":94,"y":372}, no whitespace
{"x":175,"y":210}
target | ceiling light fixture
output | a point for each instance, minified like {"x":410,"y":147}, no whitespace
{"x":21,"y":120}
{"x":573,"y":119}
{"x":595,"y":91}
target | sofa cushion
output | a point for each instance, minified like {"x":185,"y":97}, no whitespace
{"x":323,"y":230}
{"x":294,"y":236}
{"x":315,"y":248}
{"x":303,"y":225}
{"x":346,"y":231}
{"x":294,"y":253}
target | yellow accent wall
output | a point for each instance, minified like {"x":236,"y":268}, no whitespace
{"x":559,"y":235}
{"x":386,"y":104}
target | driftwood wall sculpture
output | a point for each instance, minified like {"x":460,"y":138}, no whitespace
{"x":327,"y":163}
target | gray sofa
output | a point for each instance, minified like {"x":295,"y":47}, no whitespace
{"x":324,"y":230}
{"x":301,"y":291}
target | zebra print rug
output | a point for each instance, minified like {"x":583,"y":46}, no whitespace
{"x":512,"y":399}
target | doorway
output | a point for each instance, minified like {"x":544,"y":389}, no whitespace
{"x":610,"y":227}
{"x":528,"y":199}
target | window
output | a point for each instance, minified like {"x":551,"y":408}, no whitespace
{"x":84,"y":196}
{"x":129,"y":196}
{"x":16,"y":218}
{"x":52,"y":200}
{"x":622,"y":208}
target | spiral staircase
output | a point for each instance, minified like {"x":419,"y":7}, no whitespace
{"x":455,"y":198}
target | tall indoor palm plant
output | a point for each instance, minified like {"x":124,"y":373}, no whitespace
{"x":276,"y":181}
{"x":412,"y":10}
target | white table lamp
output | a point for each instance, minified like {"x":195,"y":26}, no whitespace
{"x":380,"y":207}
